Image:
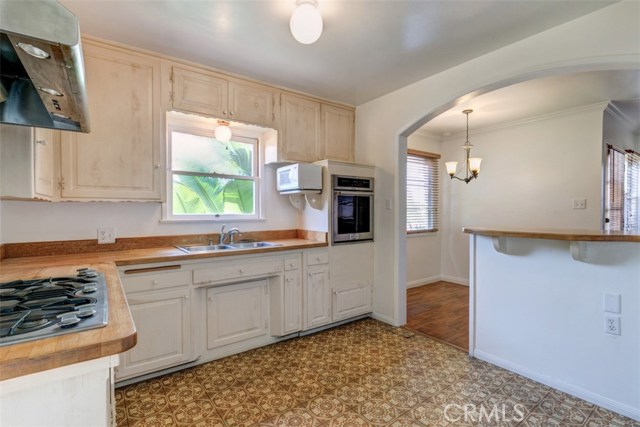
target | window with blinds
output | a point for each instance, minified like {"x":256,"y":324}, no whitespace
{"x":623,"y":190}
{"x":422,"y":191}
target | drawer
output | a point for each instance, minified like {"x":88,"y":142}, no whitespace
{"x":291,"y":264}
{"x":146,"y":282}
{"x":316,"y":258}
{"x":231,"y":273}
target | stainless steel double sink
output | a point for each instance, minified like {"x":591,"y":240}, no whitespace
{"x":190,"y":249}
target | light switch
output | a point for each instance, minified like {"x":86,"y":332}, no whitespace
{"x":612,"y":303}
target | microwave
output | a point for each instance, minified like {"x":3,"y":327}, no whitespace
{"x":299,"y":177}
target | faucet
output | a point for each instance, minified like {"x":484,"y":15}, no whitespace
{"x":231,"y":233}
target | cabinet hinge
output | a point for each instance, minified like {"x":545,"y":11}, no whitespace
{"x":61,"y":183}
{"x":171,"y":76}
{"x":171,"y":95}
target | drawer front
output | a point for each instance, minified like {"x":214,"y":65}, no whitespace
{"x":230,"y":273}
{"x":147,"y":282}
{"x":317,"y":258}
{"x":291,"y":264}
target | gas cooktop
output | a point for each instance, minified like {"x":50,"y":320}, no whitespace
{"x":46,"y":307}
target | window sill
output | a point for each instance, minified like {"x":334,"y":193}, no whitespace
{"x":425,"y":233}
{"x":213,"y":220}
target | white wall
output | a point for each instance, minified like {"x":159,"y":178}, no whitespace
{"x":606,"y":39}
{"x":423,"y":249}
{"x":540,"y":313}
{"x":531,"y":170}
{"x":43,"y":221}
{"x":617,"y":131}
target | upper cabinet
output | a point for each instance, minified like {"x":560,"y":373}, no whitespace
{"x":311,"y":130}
{"x":121,"y":157}
{"x":214,"y":95}
{"x":300,"y":129}
{"x":337,"y":133}
{"x":29,"y":167}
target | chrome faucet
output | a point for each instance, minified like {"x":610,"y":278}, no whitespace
{"x":231,"y":233}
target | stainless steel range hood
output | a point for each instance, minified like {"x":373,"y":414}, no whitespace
{"x":41,"y":70}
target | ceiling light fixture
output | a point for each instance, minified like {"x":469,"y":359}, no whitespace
{"x":306,"y":22}
{"x":223,"y":131}
{"x":472,"y":163}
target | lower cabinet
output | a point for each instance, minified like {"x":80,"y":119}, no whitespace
{"x":318,"y":297}
{"x":351,"y":302}
{"x":237,"y":312}
{"x":163,"y":322}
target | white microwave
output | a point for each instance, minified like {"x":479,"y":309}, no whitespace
{"x":299,"y":177}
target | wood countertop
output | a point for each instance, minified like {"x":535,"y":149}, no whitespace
{"x":558,"y":234}
{"x":120,"y":334}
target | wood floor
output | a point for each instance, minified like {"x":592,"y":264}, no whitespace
{"x":441,"y":310}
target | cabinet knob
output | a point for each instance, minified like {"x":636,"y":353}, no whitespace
{"x":224,"y":112}
{"x":317,"y":258}
{"x":154,"y":282}
{"x":186,"y":297}
{"x":157,"y":165}
{"x":41,"y":141}
{"x":292,"y":265}
{"x":210,"y":298}
{"x":231,"y":113}
{"x":288,"y":279}
{"x":241,"y":271}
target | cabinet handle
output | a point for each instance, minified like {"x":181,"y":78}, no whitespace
{"x":41,"y":141}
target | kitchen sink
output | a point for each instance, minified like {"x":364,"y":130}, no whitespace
{"x":249,"y":245}
{"x":190,"y":249}
{"x":204,"y":248}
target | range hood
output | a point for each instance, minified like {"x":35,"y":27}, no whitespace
{"x":41,"y":69}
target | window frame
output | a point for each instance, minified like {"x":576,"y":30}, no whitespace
{"x":202,"y":129}
{"x":431,"y":157}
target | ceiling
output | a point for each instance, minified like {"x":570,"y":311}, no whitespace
{"x":543,"y":96}
{"x":368,"y":48}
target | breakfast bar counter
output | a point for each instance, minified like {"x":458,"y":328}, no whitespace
{"x":561,"y":307}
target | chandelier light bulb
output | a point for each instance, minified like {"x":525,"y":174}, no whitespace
{"x":306,"y":22}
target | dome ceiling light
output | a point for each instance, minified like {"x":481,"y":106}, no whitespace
{"x":306,"y":22}
{"x":223,"y":131}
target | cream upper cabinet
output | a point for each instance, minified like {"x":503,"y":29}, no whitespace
{"x":214,"y":95}
{"x":121,"y":157}
{"x":337,"y":133}
{"x":311,"y":130}
{"x":29,"y":163}
{"x":199,"y":92}
{"x":300,"y":129}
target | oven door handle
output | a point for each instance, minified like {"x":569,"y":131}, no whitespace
{"x":353,"y":193}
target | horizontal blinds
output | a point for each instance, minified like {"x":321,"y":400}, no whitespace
{"x":632,"y":192}
{"x":615,"y":189}
{"x":422,"y":193}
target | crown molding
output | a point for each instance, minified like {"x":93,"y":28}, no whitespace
{"x":616,"y":113}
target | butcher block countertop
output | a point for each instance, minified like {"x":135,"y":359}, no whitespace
{"x":120,"y":334}
{"x":560,"y":234}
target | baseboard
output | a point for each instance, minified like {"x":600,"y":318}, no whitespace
{"x":456,"y":280}
{"x":425,"y":281}
{"x":383,"y":318}
{"x":605,"y":402}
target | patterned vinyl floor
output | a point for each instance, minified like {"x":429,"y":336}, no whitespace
{"x":362,"y":374}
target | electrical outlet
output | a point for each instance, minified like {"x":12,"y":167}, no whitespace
{"x":579,"y":203}
{"x":612,"y":324}
{"x":106,"y":235}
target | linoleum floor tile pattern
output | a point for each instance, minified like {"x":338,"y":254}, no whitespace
{"x":365,"y":373}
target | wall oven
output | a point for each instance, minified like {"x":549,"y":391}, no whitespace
{"x":352,"y":211}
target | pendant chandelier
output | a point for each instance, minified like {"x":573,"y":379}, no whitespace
{"x":472,"y":164}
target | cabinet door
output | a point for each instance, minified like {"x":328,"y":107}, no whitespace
{"x":163,"y":323}
{"x":120,"y":157}
{"x":351,"y":302}
{"x":337,"y":133}
{"x":251,"y":104}
{"x":300,"y":128}
{"x":45,"y":168}
{"x":236,"y":313}
{"x":318,"y":297}
{"x":199,"y":92}
{"x":292,"y":302}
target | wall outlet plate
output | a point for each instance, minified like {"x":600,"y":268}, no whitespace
{"x":612,"y":324}
{"x":579,"y":203}
{"x":106,"y":235}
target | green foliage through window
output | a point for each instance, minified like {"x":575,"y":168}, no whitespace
{"x":211,"y":177}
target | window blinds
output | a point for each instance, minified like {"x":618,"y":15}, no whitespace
{"x":422,"y":192}
{"x":632,"y":190}
{"x":615,"y":189}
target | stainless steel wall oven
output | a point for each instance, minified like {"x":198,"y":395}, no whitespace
{"x":352,"y":210}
